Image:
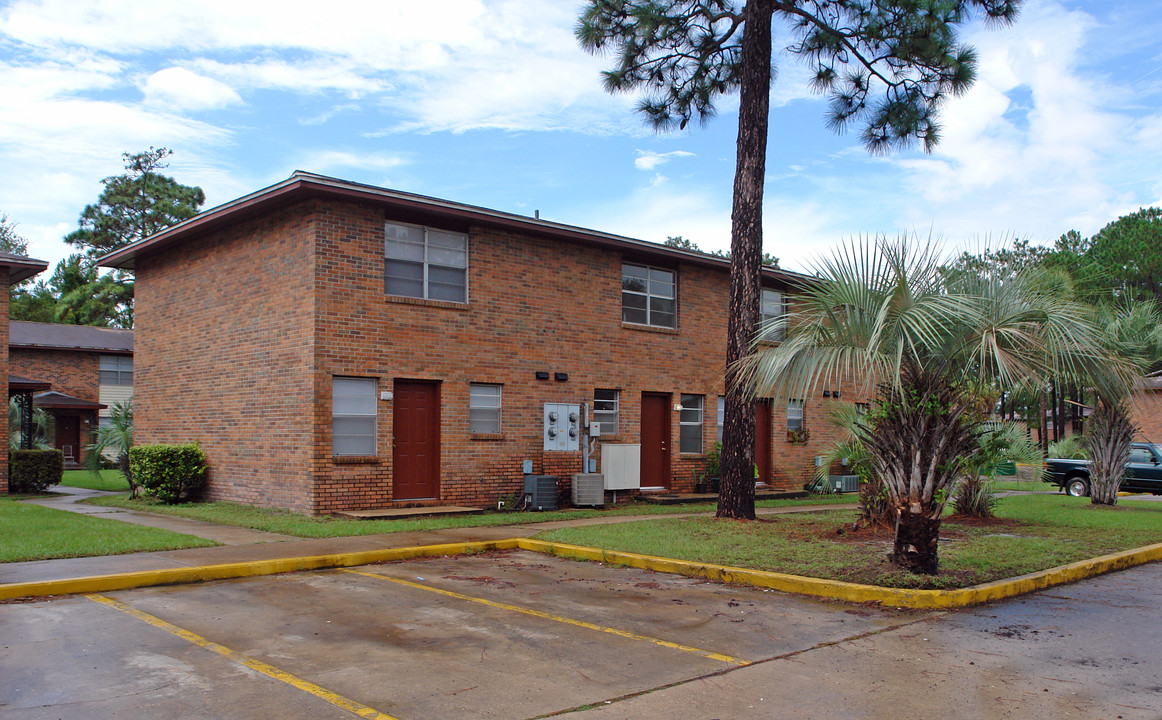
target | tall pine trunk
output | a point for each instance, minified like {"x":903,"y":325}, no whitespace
{"x":736,"y":494}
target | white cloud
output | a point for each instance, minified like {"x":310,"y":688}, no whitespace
{"x":648,"y":159}
{"x":181,"y":89}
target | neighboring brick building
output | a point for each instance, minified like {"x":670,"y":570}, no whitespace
{"x":88,"y":368}
{"x":338,"y":346}
{"x":1147,"y":404}
{"x":13,"y":269}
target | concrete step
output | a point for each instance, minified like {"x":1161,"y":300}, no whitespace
{"x":405,"y":512}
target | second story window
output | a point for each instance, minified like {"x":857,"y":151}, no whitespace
{"x":647,"y":296}
{"x":424,"y":262}
{"x":772,"y":308}
{"x":116,"y":370}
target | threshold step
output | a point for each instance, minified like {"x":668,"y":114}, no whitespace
{"x":407,"y":512}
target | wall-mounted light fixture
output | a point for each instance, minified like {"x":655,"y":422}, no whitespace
{"x":561,"y":377}
{"x":826,"y":393}
{"x":542,"y":374}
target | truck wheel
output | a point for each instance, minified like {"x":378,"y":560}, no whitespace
{"x":1077,"y":487}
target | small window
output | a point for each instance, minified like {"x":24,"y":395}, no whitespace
{"x":425,"y":263}
{"x":484,"y":404}
{"x":690,"y":424}
{"x":647,"y":296}
{"x":116,"y":370}
{"x":721,"y":415}
{"x":795,"y":415}
{"x":606,"y":410}
{"x":772,"y":308}
{"x":353,"y":413}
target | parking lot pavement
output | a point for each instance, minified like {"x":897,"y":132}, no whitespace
{"x":505,"y":635}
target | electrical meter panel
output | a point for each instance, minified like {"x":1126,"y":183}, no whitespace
{"x":562,"y":427}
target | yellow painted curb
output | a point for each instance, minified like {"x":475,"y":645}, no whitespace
{"x":830,"y":589}
{"x":852,"y":592}
{"x":177,"y":576}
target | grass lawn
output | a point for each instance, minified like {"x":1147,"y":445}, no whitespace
{"x":288,"y":523}
{"x":32,"y":532}
{"x":110,"y":480}
{"x":1032,"y":532}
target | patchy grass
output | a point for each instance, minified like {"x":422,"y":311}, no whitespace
{"x":1032,"y":532}
{"x":108,"y":480}
{"x":32,"y":532}
{"x":299,"y":525}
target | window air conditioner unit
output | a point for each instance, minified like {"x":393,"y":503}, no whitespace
{"x":588,"y":489}
{"x":541,"y":492}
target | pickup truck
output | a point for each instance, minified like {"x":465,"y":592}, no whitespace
{"x":1143,"y":472}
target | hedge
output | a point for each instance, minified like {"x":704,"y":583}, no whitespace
{"x":34,"y":471}
{"x":172,"y":473}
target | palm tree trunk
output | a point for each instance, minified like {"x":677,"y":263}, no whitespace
{"x":1108,"y":436}
{"x":917,"y":539}
{"x":736,"y":494}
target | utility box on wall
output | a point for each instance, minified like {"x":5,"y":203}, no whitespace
{"x":562,"y":427}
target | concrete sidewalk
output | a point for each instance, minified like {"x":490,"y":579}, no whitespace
{"x":244,"y":545}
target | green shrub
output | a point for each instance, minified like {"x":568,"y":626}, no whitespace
{"x":172,"y":473}
{"x":33,"y":471}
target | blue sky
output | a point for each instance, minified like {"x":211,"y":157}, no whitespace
{"x":491,"y":102}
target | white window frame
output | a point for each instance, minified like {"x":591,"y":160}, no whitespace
{"x":427,"y":263}
{"x":121,"y":366}
{"x":721,"y":415}
{"x":795,"y":415}
{"x":656,"y":284}
{"x":354,"y":404}
{"x":485,"y":408}
{"x":772,"y":306}
{"x":692,"y":415}
{"x":609,"y":419}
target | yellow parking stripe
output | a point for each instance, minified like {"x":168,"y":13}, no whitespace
{"x":557,"y":618}
{"x":269,"y":670}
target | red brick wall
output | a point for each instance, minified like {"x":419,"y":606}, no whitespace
{"x":240,"y":333}
{"x":70,"y":372}
{"x":223,"y":356}
{"x":1147,"y":407}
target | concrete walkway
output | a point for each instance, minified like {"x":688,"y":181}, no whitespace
{"x":242,"y":545}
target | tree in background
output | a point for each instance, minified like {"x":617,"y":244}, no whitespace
{"x":1128,"y":254}
{"x":677,"y":241}
{"x":10,"y":241}
{"x":885,"y":64}
{"x":132,"y":206}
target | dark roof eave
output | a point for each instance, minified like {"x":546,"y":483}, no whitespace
{"x":305,"y":185}
{"x":21,"y":268}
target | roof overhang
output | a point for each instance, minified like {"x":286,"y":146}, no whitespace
{"x":305,"y":186}
{"x":53,"y":400}
{"x":21,"y":268}
{"x":17,"y":385}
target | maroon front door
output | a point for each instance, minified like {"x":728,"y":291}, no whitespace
{"x":655,"y":450}
{"x":762,"y":439}
{"x":416,"y":446}
{"x":68,"y":437}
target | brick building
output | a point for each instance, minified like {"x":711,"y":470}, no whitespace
{"x":337,"y":346}
{"x":13,"y":269}
{"x":89,"y":369}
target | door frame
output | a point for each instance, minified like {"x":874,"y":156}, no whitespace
{"x":436,"y":439}
{"x":668,"y":437}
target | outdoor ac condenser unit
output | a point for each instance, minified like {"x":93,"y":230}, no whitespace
{"x":541,"y":492}
{"x":844,"y":483}
{"x":588,"y":489}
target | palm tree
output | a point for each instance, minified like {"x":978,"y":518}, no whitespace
{"x":116,"y":438}
{"x":43,"y":427}
{"x":931,"y":345}
{"x":1133,"y":332}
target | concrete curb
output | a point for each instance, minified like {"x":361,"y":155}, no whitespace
{"x":226,"y":571}
{"x":829,"y":589}
{"x":852,"y":592}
